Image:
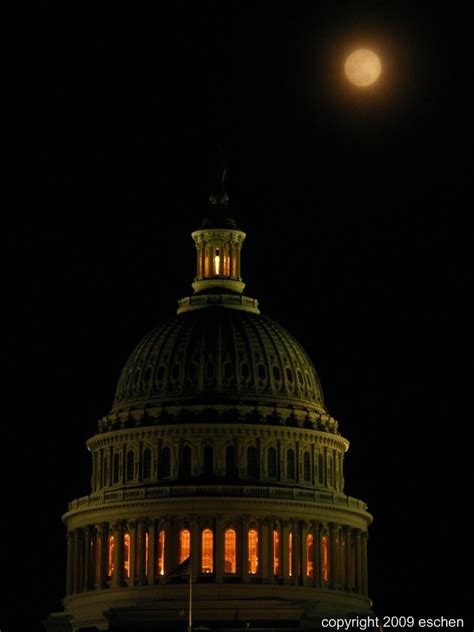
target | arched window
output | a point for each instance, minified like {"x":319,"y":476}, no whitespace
{"x":166,"y":463}
{"x":325,"y":558}
{"x":207,"y":559}
{"x":110,"y":556}
{"x":126,"y":554}
{"x":147,"y":463}
{"x":230,"y":460}
{"x":116,"y":468}
{"x":253,"y":551}
{"x":290,"y":464}
{"x":230,"y":551}
{"x":272,"y":463}
{"x":309,"y":555}
{"x":208,"y":460}
{"x":307,"y":466}
{"x":130,"y":465}
{"x":321,"y":468}
{"x":186,"y":461}
{"x":276,"y":552}
{"x":251,"y":462}
{"x":290,"y":554}
{"x":161,"y":553}
{"x":184,"y":544}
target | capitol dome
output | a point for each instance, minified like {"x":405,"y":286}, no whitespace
{"x":226,"y":356}
{"x":217,"y":489}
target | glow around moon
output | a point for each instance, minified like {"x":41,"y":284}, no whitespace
{"x":363,"y":67}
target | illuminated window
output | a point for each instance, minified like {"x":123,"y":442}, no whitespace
{"x":217,"y":262}
{"x":276,"y":552}
{"x":230,"y":552}
{"x":290,"y":554}
{"x":307,"y":466}
{"x":309,"y":555}
{"x":290,"y":461}
{"x":166,"y":463}
{"x":146,"y":552}
{"x":147,"y":463}
{"x":130,"y":465}
{"x":325,"y":558}
{"x":230,"y":460}
{"x":161,"y":553}
{"x":253,"y":551}
{"x":186,"y":461}
{"x":184,"y":544}
{"x":207,"y":560}
{"x":251,"y":462}
{"x":110,"y":556}
{"x":208,"y":460}
{"x":126,"y":554}
{"x":116,"y":468}
{"x":272,"y":463}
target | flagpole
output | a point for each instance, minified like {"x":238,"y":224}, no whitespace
{"x":190,"y":619}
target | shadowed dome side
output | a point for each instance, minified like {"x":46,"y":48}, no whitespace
{"x":219,"y":355}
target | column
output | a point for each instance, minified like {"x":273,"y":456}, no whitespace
{"x":77,"y":573}
{"x":348,"y":575}
{"x":295,"y":554}
{"x":117,"y":580}
{"x":195,"y":530}
{"x":285,"y":530}
{"x":317,"y":574}
{"x":244,"y":565}
{"x":142,"y":576}
{"x":87,"y":558}
{"x":171,"y":548}
{"x":102,"y":534}
{"x":365,"y":582}
{"x":358,"y":565}
{"x":264,"y":551}
{"x":152,"y":551}
{"x":218,"y":548}
{"x":70,"y":563}
{"x":268,"y":573}
{"x":333,"y":555}
{"x":133,"y":552}
{"x":305,"y":580}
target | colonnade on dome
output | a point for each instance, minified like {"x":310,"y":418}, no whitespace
{"x":225,"y":548}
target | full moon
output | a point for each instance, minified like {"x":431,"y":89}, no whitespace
{"x":363,"y":67}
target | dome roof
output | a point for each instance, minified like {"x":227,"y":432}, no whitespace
{"x":219,"y":355}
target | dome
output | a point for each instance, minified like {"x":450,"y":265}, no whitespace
{"x":220,"y":355}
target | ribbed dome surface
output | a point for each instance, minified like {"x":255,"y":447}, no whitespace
{"x":218,"y":355}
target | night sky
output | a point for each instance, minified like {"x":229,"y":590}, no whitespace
{"x":356,"y":206}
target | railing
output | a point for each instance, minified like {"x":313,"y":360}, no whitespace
{"x":217,"y":490}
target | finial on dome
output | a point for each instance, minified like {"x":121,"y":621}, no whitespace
{"x":218,"y":213}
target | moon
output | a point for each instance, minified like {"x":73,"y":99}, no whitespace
{"x":363,"y":67}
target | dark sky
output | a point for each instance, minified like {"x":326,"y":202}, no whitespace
{"x":356,"y":205}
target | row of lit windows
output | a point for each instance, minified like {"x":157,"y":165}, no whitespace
{"x":230,"y":553}
{"x":185,"y":465}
